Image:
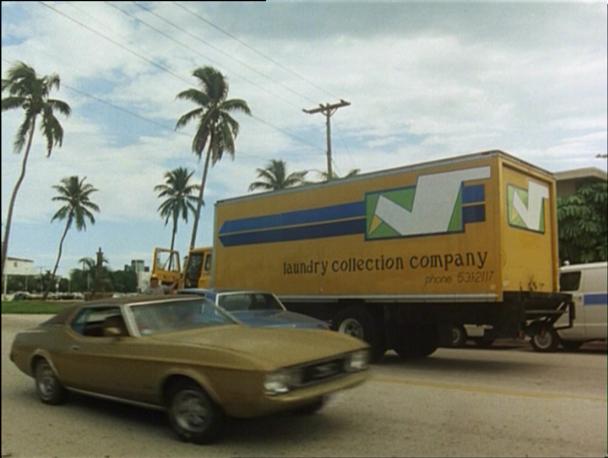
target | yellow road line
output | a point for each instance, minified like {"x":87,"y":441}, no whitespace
{"x":483,"y":389}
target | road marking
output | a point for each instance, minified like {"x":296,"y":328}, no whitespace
{"x":484,"y":389}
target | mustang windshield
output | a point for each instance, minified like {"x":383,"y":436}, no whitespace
{"x":238,"y":302}
{"x":177,"y":315}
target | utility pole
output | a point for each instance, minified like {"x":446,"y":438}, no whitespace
{"x":328,"y":110}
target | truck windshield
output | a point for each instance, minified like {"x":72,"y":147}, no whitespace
{"x":238,"y":302}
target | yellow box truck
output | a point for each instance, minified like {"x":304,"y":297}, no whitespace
{"x":398,"y":256}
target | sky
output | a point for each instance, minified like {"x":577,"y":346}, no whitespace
{"x":425,"y":81}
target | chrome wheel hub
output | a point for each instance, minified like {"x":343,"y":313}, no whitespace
{"x":46,"y":382}
{"x":190,"y":411}
{"x":351,"y":327}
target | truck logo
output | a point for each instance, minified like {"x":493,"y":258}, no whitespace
{"x":526,"y":207}
{"x":438,"y":203}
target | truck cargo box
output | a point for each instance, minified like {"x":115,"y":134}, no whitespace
{"x":466,"y":229}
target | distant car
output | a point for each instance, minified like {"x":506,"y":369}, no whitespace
{"x":186,"y":356}
{"x":256,"y":308}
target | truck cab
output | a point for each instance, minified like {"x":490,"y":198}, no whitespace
{"x":196,"y":272}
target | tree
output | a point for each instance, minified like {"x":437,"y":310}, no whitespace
{"x":274,"y":177}
{"x":217,"y":129}
{"x":583,"y":224}
{"x":179,"y":199}
{"x":75,"y":193}
{"x":335,"y":176}
{"x":31,"y":93}
{"x":124,"y":281}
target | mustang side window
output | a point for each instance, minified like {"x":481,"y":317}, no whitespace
{"x":89,"y":322}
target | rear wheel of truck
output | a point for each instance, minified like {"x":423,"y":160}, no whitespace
{"x":546,"y":340}
{"x":571,"y":345}
{"x":484,"y":342}
{"x":417,"y":342}
{"x":459,"y":336}
{"x":358,"y":322}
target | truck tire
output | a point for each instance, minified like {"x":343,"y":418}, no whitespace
{"x":484,"y":342}
{"x":417,"y":342}
{"x":571,"y":345}
{"x":358,"y":322}
{"x":545,"y":341}
{"x":459,"y":336}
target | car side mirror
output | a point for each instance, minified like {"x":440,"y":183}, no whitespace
{"x":112,"y":331}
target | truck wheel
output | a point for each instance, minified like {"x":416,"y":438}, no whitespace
{"x":571,"y":345}
{"x":192,"y":414}
{"x":484,"y":342}
{"x":359,"y":323}
{"x":459,"y":336}
{"x":417,"y":343}
{"x":546,"y":340}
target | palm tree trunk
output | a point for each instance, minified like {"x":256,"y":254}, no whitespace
{"x":52,"y":280}
{"x":11,"y":205}
{"x":200,"y":198}
{"x":173,"y":240}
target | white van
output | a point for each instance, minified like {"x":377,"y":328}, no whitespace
{"x":588,"y":285}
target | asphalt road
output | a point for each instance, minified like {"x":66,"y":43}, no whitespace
{"x":504,"y":401}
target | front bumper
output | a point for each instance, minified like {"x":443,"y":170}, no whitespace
{"x":296,"y":398}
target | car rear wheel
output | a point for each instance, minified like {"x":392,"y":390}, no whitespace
{"x":193,"y":415}
{"x":546,"y":340}
{"x":49,"y":388}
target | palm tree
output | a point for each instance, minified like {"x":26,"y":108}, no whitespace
{"x":274,"y":177}
{"x":217,"y":129}
{"x":31,"y":93}
{"x":88,"y":269}
{"x":335,"y":176}
{"x":179,"y":199}
{"x":77,"y":209}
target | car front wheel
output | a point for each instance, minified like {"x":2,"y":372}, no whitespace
{"x":193,"y":415}
{"x":49,"y":388}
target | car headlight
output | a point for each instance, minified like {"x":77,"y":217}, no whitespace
{"x":357,"y":361}
{"x":281,"y":381}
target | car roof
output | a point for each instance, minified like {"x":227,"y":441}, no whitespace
{"x":591,"y":265}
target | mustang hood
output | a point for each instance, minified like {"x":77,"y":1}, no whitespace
{"x":270,"y":347}
{"x":278,"y":319}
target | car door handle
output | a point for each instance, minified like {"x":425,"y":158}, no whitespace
{"x":75,"y":347}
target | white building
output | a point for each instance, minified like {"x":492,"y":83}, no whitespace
{"x":18,"y":266}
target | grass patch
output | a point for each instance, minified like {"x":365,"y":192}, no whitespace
{"x":31,"y":307}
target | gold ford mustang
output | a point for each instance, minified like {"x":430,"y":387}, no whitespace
{"x":186,"y":356}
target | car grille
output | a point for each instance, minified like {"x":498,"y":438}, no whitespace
{"x":321,"y":371}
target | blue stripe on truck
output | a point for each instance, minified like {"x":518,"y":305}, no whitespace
{"x":595,"y":299}
{"x":349,"y":227}
{"x":313,"y":215}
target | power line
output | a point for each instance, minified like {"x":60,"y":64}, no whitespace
{"x":266,"y":57}
{"x":151,"y":121}
{"x":167,"y":70}
{"x":221,"y":51}
{"x":195,"y":51}
{"x":225,"y":32}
